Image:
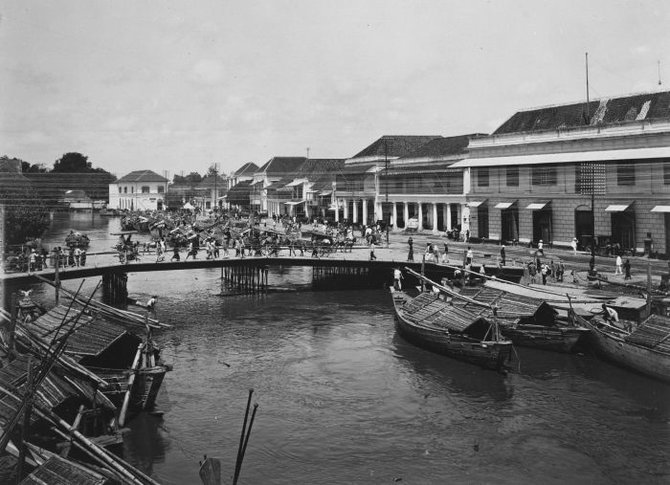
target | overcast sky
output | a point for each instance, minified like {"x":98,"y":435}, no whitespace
{"x":178,"y":85}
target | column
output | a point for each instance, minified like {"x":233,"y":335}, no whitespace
{"x":337,"y":210}
{"x":394,"y":216}
{"x":355,"y":209}
{"x":405,"y":214}
{"x":420,"y":216}
{"x":434,"y":217}
{"x":448,"y":217}
{"x":346,"y":208}
{"x":365,"y":211}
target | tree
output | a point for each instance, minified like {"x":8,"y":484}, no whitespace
{"x":72,"y":162}
{"x":26,"y":167}
{"x":212,"y":170}
{"x":26,"y":215}
{"x":193,"y":178}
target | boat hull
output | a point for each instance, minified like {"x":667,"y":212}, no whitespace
{"x":490,"y":355}
{"x":556,"y":339}
{"x":644,"y":360}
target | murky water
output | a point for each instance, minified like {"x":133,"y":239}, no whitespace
{"x":342,"y":399}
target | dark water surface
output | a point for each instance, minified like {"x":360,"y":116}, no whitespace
{"x":342,"y":399}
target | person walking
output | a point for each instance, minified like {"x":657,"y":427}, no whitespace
{"x":573,"y":245}
{"x":626,"y":268}
{"x":410,"y":254}
{"x":618,"y":265}
{"x":545,"y":273}
{"x":445,"y":257}
{"x":175,"y":253}
{"x":469,"y":256}
{"x":502,"y":255}
{"x":372,"y":252}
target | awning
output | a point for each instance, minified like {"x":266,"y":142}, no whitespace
{"x":296,"y":182}
{"x":571,"y":157}
{"x":536,"y":206}
{"x":661,"y":208}
{"x":291,"y":203}
{"x":325,"y":192}
{"x":475,"y":203}
{"x":504,"y":205}
{"x":617,"y":207}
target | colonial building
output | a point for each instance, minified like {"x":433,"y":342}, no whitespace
{"x":308,"y":192}
{"x":422,"y":191}
{"x":138,"y":190}
{"x":274,"y":170}
{"x":576,"y":170}
{"x":212,"y":188}
{"x":243,"y":174}
{"x":357,"y":192}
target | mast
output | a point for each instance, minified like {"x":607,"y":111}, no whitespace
{"x":588,"y":115}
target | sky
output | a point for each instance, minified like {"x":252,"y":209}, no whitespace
{"x":177,"y":86}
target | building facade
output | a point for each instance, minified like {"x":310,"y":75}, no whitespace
{"x":138,"y":190}
{"x":597,"y":172}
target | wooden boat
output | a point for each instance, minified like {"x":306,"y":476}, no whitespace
{"x":527,"y":321}
{"x":644,"y":348}
{"x":77,"y":240}
{"x":129,"y":364}
{"x":433,"y":323}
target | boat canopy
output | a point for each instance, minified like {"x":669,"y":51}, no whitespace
{"x":93,"y":336}
{"x":428,"y":309}
{"x":653,"y":333}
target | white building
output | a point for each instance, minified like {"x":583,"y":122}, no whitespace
{"x":138,"y":190}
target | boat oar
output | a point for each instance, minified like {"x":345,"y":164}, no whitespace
{"x":238,"y":461}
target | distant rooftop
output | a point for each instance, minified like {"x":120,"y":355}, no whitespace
{"x":247,"y":169}
{"x":395,"y":146}
{"x":281,"y":166}
{"x":443,"y":146}
{"x":604,"y":111}
{"x":142,"y":176}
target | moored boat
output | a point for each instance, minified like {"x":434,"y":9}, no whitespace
{"x":433,"y":323}
{"x":644,"y":348}
{"x":527,"y":321}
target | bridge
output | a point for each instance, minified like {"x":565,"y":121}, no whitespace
{"x":250,"y":274}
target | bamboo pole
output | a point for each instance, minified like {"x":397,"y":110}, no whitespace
{"x":131,"y":381}
{"x":87,"y":445}
{"x":26,"y":421}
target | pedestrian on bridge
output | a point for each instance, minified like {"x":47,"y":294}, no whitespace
{"x":175,"y":253}
{"x":410,"y":254}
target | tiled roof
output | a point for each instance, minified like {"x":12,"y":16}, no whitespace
{"x":248,"y":169}
{"x":600,"y":112}
{"x":395,"y":146}
{"x":142,"y":176}
{"x":208,"y":182}
{"x":450,"y":145}
{"x":281,"y":166}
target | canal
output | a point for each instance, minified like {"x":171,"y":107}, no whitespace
{"x":342,"y":399}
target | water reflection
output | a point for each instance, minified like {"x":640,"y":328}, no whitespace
{"x":445,"y":374}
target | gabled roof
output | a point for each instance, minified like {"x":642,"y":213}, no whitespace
{"x":395,"y":146}
{"x":247,"y":169}
{"x":603,"y":111}
{"x":142,"y":176}
{"x":443,"y":146}
{"x":282,"y":166}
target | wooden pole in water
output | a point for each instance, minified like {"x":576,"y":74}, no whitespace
{"x":57,"y":277}
{"x":238,"y":462}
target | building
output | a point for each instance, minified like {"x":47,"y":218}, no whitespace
{"x":357,"y":192}
{"x":421,"y":190}
{"x":576,"y":170}
{"x":274,"y":170}
{"x":243,"y":174}
{"x":213,"y":189}
{"x":308,"y":192}
{"x":138,"y":190}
